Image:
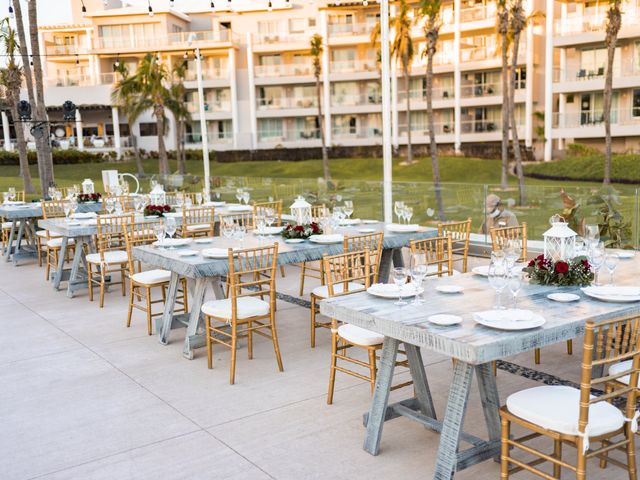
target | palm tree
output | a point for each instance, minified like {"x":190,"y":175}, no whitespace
{"x":44,"y":149}
{"x":11,"y":79}
{"x":503,"y":31}
{"x":517,"y":23}
{"x":402,"y":50}
{"x":148,"y":89}
{"x":126,"y":102}
{"x":430,"y":10}
{"x":178,"y":107}
{"x":317,"y":48}
{"x":614,"y":23}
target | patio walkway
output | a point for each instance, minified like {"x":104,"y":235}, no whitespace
{"x":83,"y":397}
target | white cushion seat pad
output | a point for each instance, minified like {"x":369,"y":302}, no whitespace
{"x":152,"y":277}
{"x":247,"y":307}
{"x":359,"y":336}
{"x":112,"y":256}
{"x":57,"y":242}
{"x":199,"y":227}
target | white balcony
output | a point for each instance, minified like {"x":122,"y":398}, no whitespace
{"x":356,"y":99}
{"x":478,"y":13}
{"x":283,"y":70}
{"x":353,"y":66}
{"x":283,"y":37}
{"x":63,"y":50}
{"x":289,"y":136}
{"x":178,"y":40}
{"x":355,"y":132}
{"x":209,"y":106}
{"x":81,"y":80}
{"x":590,"y":124}
{"x":220,"y":73}
{"x":276,"y":103}
{"x":346,"y":29}
{"x":194,"y":140}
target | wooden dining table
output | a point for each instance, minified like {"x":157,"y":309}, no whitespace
{"x":202,"y":271}
{"x":473,"y":346}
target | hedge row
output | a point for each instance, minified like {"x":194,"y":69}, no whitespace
{"x":624,"y":169}
{"x":60,"y":157}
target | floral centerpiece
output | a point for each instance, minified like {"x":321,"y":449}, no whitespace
{"x":157,"y":210}
{"x":89,"y":197}
{"x":293,"y":230}
{"x":569,"y":273}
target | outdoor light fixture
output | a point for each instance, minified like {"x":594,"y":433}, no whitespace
{"x":212,"y":6}
{"x":69,"y":111}
{"x":24,"y":110}
{"x":172,"y":3}
{"x":84,"y":9}
{"x":270,"y":6}
{"x":77,"y":59}
{"x":150,"y":8}
{"x":11,"y":15}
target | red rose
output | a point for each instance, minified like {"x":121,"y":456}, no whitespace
{"x":299,"y":228}
{"x":586,"y":265}
{"x":562,"y":267}
{"x":540,"y":258}
{"x":167,"y":208}
{"x":532,"y":263}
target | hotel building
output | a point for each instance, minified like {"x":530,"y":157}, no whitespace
{"x":260,"y":91}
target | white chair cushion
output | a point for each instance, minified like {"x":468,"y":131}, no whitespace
{"x":359,"y":336}
{"x":151,"y":277}
{"x":41,"y":233}
{"x":247,"y":307}
{"x":57,"y":242}
{"x":323,"y":291}
{"x":114,"y":256}
{"x":6,"y":225}
{"x":557,"y":408}
{"x":622,"y":367}
{"x":196,"y":228}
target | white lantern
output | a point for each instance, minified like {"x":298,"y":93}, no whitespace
{"x":301,"y":211}
{"x":87,"y":186}
{"x":157,"y":196}
{"x":559,"y":240}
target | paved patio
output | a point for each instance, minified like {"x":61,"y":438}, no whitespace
{"x":83,"y":397}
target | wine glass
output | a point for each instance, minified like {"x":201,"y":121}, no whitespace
{"x":240,"y":232}
{"x":67,"y":209}
{"x":261,"y":222}
{"x":397,"y":209}
{"x":5,"y":196}
{"x":73,"y":205}
{"x":269,"y":216}
{"x":512,"y":252}
{"x":227,"y":228}
{"x":188,"y":203}
{"x":58,"y":195}
{"x":118,"y":207}
{"x":12,"y":193}
{"x":592,"y":234}
{"x":199,"y":198}
{"x":109,"y":205}
{"x":239,"y":193}
{"x":246,"y":196}
{"x":159,"y":232}
{"x":408,"y":213}
{"x":399,"y":279}
{"x":137,"y":202}
{"x":348,"y":208}
{"x":418,"y":269}
{"x":611,"y":262}
{"x":170,"y":227}
{"x":596,"y":259}
{"x":515,"y":284}
{"x":498,"y":280}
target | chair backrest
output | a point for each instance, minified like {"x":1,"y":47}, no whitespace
{"x":438,"y":251}
{"x":318,"y":212}
{"x":198,"y":216}
{"x":125,"y":201}
{"x":111,"y":232}
{"x":500,"y":236}
{"x":276,"y":206}
{"x":20,"y":195}
{"x":459,"y":233}
{"x":372,"y":243}
{"x":136,"y":234}
{"x":53,"y":208}
{"x":346,"y":268}
{"x":605,"y":344}
{"x":241,"y":218}
{"x":252,"y":273}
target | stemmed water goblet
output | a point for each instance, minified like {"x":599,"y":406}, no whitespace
{"x":498,"y":280}
{"x":512,"y":252}
{"x":597,"y":259}
{"x":397,"y":210}
{"x":109,"y":205}
{"x":159,"y":232}
{"x":592,"y":234}
{"x":418,"y":269}
{"x":399,"y":279}
{"x":408,"y":213}
{"x":261,"y":222}
{"x":269,"y":216}
{"x":246,"y":196}
{"x":57,"y":195}
{"x":239,"y":194}
{"x":170,"y":227}
{"x":5,"y":196}
{"x":67,"y":209}
{"x":12,"y":193}
{"x":515,"y":284}
{"x":199,"y":199}
{"x":611,"y":262}
{"x":240,"y":232}
{"x":348,"y":208}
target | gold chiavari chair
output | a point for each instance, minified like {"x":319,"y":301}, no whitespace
{"x":112,"y":253}
{"x":197,"y":222}
{"x":240,"y":218}
{"x":243,"y":310}
{"x":276,"y":206}
{"x":575,"y":416}
{"x":459,"y":233}
{"x":372,"y":243}
{"x":141,"y":283}
{"x":313,"y":269}
{"x":52,"y":244}
{"x":438,"y":251}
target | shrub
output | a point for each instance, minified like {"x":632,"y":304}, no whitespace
{"x":60,"y":157}
{"x":580,"y":149}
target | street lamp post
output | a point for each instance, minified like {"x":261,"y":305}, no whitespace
{"x":387,"y":184}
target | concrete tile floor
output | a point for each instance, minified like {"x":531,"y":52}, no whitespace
{"x":83,"y":397}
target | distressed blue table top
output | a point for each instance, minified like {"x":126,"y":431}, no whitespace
{"x":469,"y":341}
{"x":34,"y":210}
{"x":199,"y":266}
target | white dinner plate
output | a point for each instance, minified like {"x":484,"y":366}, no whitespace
{"x":401,"y":228}
{"x":613,"y":294}
{"x":445,"y":320}
{"x":509,"y":319}
{"x":186,"y":253}
{"x":626,"y":254}
{"x":173,"y":242}
{"x":151,"y":216}
{"x":350,"y":221}
{"x":370,"y":222}
{"x":482,"y":270}
{"x":449,"y":288}
{"x":563,"y":297}
{"x":214,"y":204}
{"x":83,"y":215}
{"x":219,"y":253}
{"x":269,"y":231}
{"x":390,"y":290}
{"x":239,"y":208}
{"x":326,"y":239}
{"x":203,"y":240}
{"x":294,"y":240}
{"x":366,"y":230}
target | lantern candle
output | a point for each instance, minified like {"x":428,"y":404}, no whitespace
{"x":301,"y":211}
{"x":559,"y":240}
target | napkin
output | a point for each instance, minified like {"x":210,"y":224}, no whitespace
{"x":513,"y":315}
{"x":84,"y":215}
{"x":615,"y":291}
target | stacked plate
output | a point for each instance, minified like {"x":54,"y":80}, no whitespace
{"x":172,"y":242}
{"x":614,"y":294}
{"x":390,"y":290}
{"x":513,"y":319}
{"x":401,"y":228}
{"x":326,"y":239}
{"x":218,"y":253}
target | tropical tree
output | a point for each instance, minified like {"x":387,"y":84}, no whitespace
{"x":11,"y":80}
{"x":503,"y":31}
{"x":317,"y":48}
{"x":402,"y":50}
{"x":517,"y":23}
{"x":178,"y":107}
{"x":614,"y":23}
{"x":35,"y":90}
{"x":149,"y":91}
{"x":430,"y":11}
{"x":126,"y":102}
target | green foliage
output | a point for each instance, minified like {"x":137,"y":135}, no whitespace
{"x":588,"y":166}
{"x":575,"y":272}
{"x":60,"y":157}
{"x":579,"y":149}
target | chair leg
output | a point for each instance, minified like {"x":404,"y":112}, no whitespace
{"x":569,"y":347}
{"x":372,"y":369}
{"x":332,"y":369}
{"x":494,"y":368}
{"x":537,"y":356}
{"x":39,"y":247}
{"x":48,"y":265}
{"x":209,"y":343}
{"x":557,"y":452}
{"x":504,"y":450}
{"x":132,"y":290}
{"x":581,"y":472}
{"x":274,"y":336}
{"x":282,"y":271}
{"x":90,"y":275}
{"x":249,"y":341}
{"x":123,"y":277}
{"x":313,"y":321}
{"x":631,"y":453}
{"x":234,"y":345}
{"x":302,"y":271}
{"x":149,"y":326}
{"x":102,"y":286}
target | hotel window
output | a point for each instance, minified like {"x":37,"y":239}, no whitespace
{"x":345,"y":93}
{"x":593,"y":63}
{"x":270,"y":59}
{"x":148,"y":129}
{"x":344,"y":58}
{"x":269,"y":97}
{"x":270,"y":128}
{"x":297,"y":25}
{"x":307,"y":128}
{"x":521,"y":78}
{"x":114,"y":35}
{"x":374,"y":92}
{"x":268,"y":29}
{"x":636,"y":103}
{"x":345,"y":124}
{"x":124,"y":129}
{"x":304,"y":96}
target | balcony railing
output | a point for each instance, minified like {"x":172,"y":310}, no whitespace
{"x":349,"y":66}
{"x":209,"y":73}
{"x":272,"y":136}
{"x":480,"y":90}
{"x":343,"y":29}
{"x":475,"y":54}
{"x":209,"y":106}
{"x":481,"y":12}
{"x":356,"y":99}
{"x":66,"y":50}
{"x":421,"y":128}
{"x":179,"y":38}
{"x":480,"y":126}
{"x":284,"y":70}
{"x":204,"y":36}
{"x":355,"y":132}
{"x":439,"y":93}
{"x":580,"y":24}
{"x":595,"y":118}
{"x":594,"y":73}
{"x":212,"y":138}
{"x":283,"y":37}
{"x":81,"y":80}
{"x":286,"y":102}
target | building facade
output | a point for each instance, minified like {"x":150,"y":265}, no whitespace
{"x":260,"y":90}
